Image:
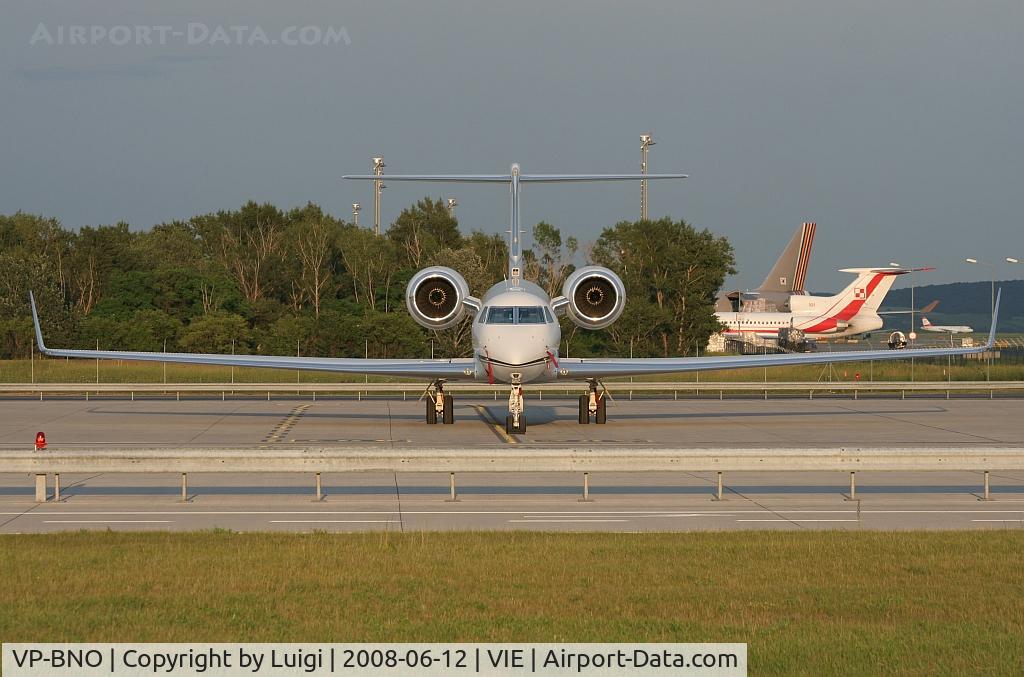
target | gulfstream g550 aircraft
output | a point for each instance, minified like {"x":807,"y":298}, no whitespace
{"x":515,"y":328}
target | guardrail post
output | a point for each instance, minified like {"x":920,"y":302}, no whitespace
{"x":56,"y":487}
{"x":184,"y":487}
{"x":40,"y":487}
{"x":718,"y":490}
{"x":586,"y":488}
{"x":452,"y":496}
{"x":319,"y":488}
{"x":853,"y":486}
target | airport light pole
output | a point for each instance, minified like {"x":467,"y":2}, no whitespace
{"x":913,"y":308}
{"x":452,"y":204}
{"x":992,"y":268}
{"x":356,"y":208}
{"x":646,"y":141}
{"x":913,"y":333}
{"x":378,"y":186}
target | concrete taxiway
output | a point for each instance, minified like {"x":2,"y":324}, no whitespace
{"x":665,"y":501}
{"x":393,"y":423}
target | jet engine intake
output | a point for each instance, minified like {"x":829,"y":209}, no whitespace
{"x":436,"y":297}
{"x":596,"y":297}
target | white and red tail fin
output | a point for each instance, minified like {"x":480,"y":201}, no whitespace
{"x":864,"y":294}
{"x":925,"y":322}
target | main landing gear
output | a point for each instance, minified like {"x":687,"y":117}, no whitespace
{"x":440,"y":404}
{"x":515,"y":422}
{"x":593,"y":404}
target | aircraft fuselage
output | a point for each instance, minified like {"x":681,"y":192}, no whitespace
{"x":516,"y":335}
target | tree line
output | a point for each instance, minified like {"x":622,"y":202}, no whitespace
{"x":263,"y":280}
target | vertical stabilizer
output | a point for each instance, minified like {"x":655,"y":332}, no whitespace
{"x":789,"y":274}
{"x":804,"y":259}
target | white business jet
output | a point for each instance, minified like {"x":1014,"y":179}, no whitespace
{"x":515,"y":328}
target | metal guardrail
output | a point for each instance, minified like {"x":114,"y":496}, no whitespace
{"x":318,"y":460}
{"x":416,"y":389}
{"x":505,"y":459}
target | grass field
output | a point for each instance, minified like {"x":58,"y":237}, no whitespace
{"x":806,"y":603}
{"x":117,"y":371}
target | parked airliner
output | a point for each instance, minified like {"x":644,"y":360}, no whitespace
{"x":948,"y":328}
{"x":852,"y":311}
{"x":516,"y":334}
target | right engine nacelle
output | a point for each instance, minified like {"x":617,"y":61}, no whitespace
{"x":596,"y":297}
{"x":436,"y":297}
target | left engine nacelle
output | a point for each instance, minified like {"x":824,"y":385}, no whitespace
{"x":595,"y":297}
{"x":437,"y":297}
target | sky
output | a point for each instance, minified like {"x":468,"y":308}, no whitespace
{"x":896,"y":126}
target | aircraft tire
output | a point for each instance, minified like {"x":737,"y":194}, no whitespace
{"x":601,"y":416}
{"x":431,"y":411}
{"x":448,"y":417}
{"x":584,"y":410}
{"x":511,"y":429}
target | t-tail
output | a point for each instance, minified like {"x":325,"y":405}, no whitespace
{"x":789,"y":274}
{"x":514,"y":178}
{"x":862,"y":295}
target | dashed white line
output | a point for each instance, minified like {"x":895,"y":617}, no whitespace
{"x":563,"y":521}
{"x":107,"y":521}
{"x":795,"y":520}
{"x":335,"y":521}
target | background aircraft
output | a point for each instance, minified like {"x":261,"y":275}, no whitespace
{"x":516,"y":336}
{"x":950,"y":328}
{"x":852,"y":311}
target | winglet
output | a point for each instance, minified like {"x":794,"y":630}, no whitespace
{"x":995,"y":321}
{"x":35,"y":321}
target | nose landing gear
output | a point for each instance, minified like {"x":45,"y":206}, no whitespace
{"x":515,"y":422}
{"x":440,"y":404}
{"x":593,"y":404}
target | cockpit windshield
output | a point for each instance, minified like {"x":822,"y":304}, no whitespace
{"x":516,"y":315}
{"x":531,"y":315}
{"x":501,"y":315}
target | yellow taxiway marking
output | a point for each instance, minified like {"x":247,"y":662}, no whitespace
{"x":498,"y":429}
{"x":285,"y":426}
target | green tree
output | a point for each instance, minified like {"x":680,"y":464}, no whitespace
{"x":674,"y":266}
{"x":370,"y":262}
{"x":216,"y":333}
{"x":422,"y":230}
{"x":97,"y":254}
{"x":550,"y":263}
{"x":248,"y":245}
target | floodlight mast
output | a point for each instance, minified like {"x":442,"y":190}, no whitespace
{"x":378,"y":186}
{"x":646,"y":141}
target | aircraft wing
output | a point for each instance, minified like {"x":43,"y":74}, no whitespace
{"x":597,"y":368}
{"x":452,"y":369}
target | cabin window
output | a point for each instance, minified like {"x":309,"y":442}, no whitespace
{"x":547,"y":315}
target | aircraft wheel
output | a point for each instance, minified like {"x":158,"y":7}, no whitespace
{"x":602,"y":410}
{"x":584,"y":410}
{"x":513,"y":430}
{"x":449,"y":410}
{"x":431,"y":411}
